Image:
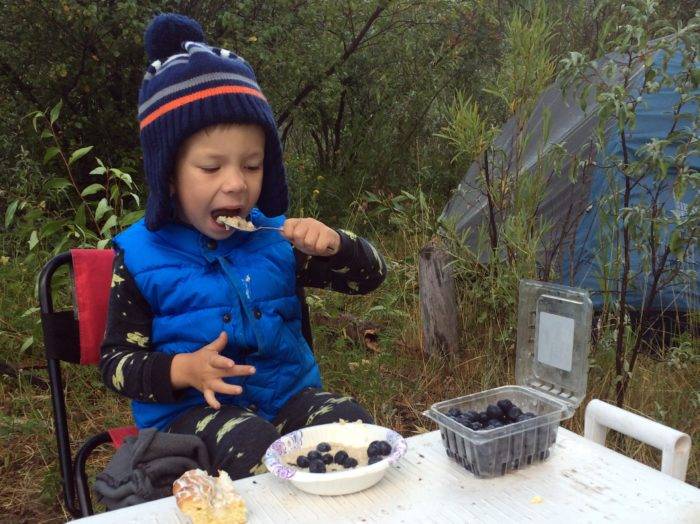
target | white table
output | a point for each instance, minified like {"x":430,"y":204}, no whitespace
{"x":580,"y":482}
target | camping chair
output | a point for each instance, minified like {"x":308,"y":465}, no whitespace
{"x":75,"y":336}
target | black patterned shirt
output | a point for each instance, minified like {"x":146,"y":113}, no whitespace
{"x":128,"y":363}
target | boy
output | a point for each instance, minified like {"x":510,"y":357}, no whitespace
{"x":204,"y":325}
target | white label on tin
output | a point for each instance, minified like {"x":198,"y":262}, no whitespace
{"x":555,"y":340}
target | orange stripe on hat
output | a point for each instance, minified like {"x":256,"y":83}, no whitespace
{"x":204,"y":93}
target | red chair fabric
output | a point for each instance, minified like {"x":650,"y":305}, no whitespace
{"x":119,"y":434}
{"x":92,"y":274}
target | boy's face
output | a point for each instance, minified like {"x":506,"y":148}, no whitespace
{"x":219,"y":171}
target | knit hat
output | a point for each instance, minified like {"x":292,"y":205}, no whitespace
{"x":188,"y":87}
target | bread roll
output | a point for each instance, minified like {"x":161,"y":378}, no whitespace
{"x":209,"y":500}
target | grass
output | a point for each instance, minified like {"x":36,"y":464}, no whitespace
{"x":395,"y":381}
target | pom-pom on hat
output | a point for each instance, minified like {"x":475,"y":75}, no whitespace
{"x":190,"y":86}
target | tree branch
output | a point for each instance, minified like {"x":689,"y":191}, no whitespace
{"x":9,"y":370}
{"x":339,"y":123}
{"x":309,"y":87}
{"x":21,"y":86}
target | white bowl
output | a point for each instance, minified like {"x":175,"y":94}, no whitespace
{"x":349,"y":435}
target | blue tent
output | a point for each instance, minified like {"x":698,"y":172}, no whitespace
{"x":570,"y":205}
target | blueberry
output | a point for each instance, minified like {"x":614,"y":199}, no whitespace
{"x":505,"y":405}
{"x":476,"y":426}
{"x":314,"y":455}
{"x":302,"y":461}
{"x":350,"y":463}
{"x":465,"y":421}
{"x":384,"y":447}
{"x":494,"y":412}
{"x":525,"y":416}
{"x":473,"y":415}
{"x":373,"y":449}
{"x":529,"y":414}
{"x":496,"y":423}
{"x":378,"y":447}
{"x":454,"y":412}
{"x":514,"y":412}
{"x":374,"y":460}
{"x":483,"y":417}
{"x":317,"y":466}
{"x":327,"y":458}
{"x":323,"y":447}
{"x":340,"y":457}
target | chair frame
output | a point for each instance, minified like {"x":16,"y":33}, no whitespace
{"x":674,"y":445}
{"x":76,"y":492}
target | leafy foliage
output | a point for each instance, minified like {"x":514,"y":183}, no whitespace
{"x":73,"y":215}
{"x":663,"y":233}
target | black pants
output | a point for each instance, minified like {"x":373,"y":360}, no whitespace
{"x":237,"y":438}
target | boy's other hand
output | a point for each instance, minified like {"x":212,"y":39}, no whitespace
{"x":205,"y":368}
{"x":311,"y":237}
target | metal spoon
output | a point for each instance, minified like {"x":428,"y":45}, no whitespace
{"x":255,"y":228}
{"x":258,"y":228}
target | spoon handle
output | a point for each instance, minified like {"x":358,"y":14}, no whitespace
{"x":258,"y":228}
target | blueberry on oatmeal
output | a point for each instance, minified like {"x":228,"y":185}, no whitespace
{"x":340,"y":457}
{"x":378,"y":448}
{"x":314,"y":455}
{"x":384,"y":447}
{"x":373,"y":449}
{"x":317,"y":466}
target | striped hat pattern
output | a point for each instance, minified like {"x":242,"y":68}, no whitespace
{"x":190,"y":86}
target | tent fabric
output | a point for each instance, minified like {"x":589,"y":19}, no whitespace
{"x":570,"y":207}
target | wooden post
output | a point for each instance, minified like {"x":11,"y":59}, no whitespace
{"x":438,"y":301}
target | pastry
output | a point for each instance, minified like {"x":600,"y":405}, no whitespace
{"x":209,"y":500}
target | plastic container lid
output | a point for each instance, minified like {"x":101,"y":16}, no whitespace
{"x":554,"y":331}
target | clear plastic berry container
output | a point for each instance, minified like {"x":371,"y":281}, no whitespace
{"x":554,"y":325}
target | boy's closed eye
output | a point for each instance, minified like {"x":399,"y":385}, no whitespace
{"x":214,"y":169}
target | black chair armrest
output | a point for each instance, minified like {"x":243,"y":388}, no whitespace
{"x":84,"y":501}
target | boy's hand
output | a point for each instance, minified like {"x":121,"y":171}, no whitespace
{"x":311,"y":237}
{"x":205,"y":368}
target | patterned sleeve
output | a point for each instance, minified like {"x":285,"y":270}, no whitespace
{"x":127,"y":362}
{"x":356,"y":269}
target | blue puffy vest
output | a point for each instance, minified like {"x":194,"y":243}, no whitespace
{"x":244,"y":285}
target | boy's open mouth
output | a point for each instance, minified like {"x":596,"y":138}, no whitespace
{"x":226,"y":212}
